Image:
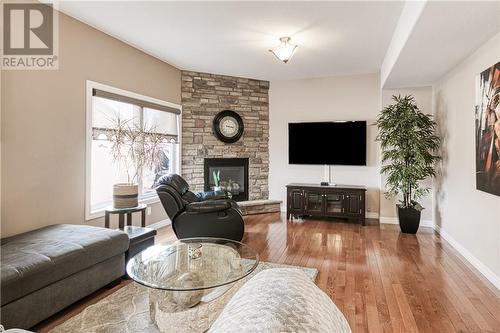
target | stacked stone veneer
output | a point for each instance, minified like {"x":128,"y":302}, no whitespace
{"x":203,"y":96}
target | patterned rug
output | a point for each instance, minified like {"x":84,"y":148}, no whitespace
{"x":127,"y":310}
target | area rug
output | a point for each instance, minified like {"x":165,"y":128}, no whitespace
{"x":127,"y":309}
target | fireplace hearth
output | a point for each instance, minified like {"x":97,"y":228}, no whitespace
{"x":233,"y":176}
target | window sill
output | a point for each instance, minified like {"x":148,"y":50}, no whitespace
{"x":98,"y":213}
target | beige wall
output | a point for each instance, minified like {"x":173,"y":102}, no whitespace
{"x":423,"y":98}
{"x":43,"y":124}
{"x":326,"y":99}
{"x":468,"y":218}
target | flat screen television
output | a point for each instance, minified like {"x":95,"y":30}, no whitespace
{"x":332,"y":143}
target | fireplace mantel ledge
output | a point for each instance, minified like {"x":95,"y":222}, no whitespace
{"x":252,"y":207}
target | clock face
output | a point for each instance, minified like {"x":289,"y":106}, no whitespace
{"x":228,"y":126}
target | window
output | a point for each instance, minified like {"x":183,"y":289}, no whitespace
{"x":107,"y":107}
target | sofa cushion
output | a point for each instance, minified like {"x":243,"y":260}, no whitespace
{"x":35,"y":259}
{"x":280,"y":300}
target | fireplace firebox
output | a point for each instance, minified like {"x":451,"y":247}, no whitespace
{"x":232,"y":174}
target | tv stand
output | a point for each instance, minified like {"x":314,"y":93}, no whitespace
{"x":341,"y":201}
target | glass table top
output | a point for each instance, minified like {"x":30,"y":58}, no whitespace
{"x":193,"y":264}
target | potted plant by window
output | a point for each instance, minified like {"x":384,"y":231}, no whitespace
{"x":409,"y":145}
{"x":134,"y":147}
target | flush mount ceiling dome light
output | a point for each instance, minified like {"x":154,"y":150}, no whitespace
{"x":285,"y":50}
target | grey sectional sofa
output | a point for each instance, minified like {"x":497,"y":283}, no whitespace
{"x":45,"y":270}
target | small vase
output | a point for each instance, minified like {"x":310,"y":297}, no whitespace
{"x":125,"y":195}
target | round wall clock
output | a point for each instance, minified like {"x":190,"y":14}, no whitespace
{"x":228,"y":126}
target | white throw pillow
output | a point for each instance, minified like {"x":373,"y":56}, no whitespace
{"x":280,"y":300}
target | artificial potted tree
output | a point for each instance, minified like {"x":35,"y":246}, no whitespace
{"x":134,"y":147}
{"x":409,"y":146}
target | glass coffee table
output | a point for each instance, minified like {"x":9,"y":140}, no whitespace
{"x":191,"y":280}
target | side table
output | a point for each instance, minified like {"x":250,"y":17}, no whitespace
{"x":121,"y":215}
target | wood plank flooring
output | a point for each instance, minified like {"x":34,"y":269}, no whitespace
{"x":382,"y":280}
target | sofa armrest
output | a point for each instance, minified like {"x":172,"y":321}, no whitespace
{"x":208,"y":206}
{"x":213,"y":195}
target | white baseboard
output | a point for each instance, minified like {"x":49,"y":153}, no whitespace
{"x":159,"y":224}
{"x":394,"y":220}
{"x":485,"y":271}
{"x":388,"y":220}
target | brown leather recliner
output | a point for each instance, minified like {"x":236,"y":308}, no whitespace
{"x":206,"y":214}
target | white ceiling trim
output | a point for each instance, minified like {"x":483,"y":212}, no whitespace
{"x":447,"y":32}
{"x":406,"y":23}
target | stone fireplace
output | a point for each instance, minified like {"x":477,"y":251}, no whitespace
{"x":203,"y":96}
{"x":233,"y":174}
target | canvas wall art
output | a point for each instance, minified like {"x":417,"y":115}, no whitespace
{"x":488,"y":130}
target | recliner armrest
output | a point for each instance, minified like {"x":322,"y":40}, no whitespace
{"x":208,"y":206}
{"x":213,"y":195}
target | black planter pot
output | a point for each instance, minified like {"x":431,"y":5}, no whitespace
{"x":409,"y":220}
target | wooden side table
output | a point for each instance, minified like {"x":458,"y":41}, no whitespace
{"x":121,"y":215}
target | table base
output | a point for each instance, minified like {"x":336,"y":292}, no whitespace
{"x":170,"y":316}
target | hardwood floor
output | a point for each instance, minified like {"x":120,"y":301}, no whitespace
{"x":382,"y":280}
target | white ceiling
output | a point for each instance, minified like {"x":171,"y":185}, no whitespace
{"x":445,"y":34}
{"x":335,"y":38}
{"x":233,"y":38}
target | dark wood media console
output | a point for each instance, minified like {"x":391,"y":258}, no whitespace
{"x":343,"y":201}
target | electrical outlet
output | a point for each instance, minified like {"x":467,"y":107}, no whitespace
{"x":148,"y":210}
{"x":369,"y":209}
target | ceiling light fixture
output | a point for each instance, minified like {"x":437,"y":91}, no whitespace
{"x":285,"y":50}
